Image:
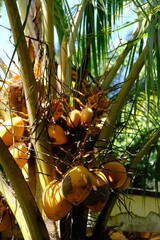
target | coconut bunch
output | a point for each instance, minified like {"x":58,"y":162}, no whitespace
{"x":66,"y":132}
{"x":87,"y":112}
{"x":13,"y":125}
{"x":73,"y":130}
{"x":12,"y":133}
{"x":82,"y":186}
{"x":70,"y":126}
{"x":71,"y":120}
{"x":78,"y":186}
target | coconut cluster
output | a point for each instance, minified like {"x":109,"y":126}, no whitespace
{"x":12,"y":132}
{"x":73,"y":119}
{"x":78,"y":185}
{"x":73,"y":130}
{"x":82,"y":186}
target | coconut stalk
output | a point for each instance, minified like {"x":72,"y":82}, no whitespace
{"x":4,"y":69}
{"x":23,"y":205}
{"x":72,"y":39}
{"x":14,"y":205}
{"x":113,"y":71}
{"x":30,"y":27}
{"x":37,"y":124}
{"x":61,"y":69}
{"x":136,"y":160}
{"x":4,"y":109}
{"x":74,"y":30}
{"x":48,"y":35}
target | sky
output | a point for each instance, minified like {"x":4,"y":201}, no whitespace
{"x":6,"y":43}
{"x":6,"y":40}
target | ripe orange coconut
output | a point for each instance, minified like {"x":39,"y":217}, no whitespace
{"x":12,"y":129}
{"x":19,"y":151}
{"x":86,"y":114}
{"x":54,"y":204}
{"x":115,"y":173}
{"x":99,"y":194}
{"x":77,"y":184}
{"x":74,"y":118}
{"x":57,"y":133}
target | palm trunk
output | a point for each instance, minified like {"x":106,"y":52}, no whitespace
{"x":71,"y":42}
{"x":24,"y":208}
{"x":36,"y":119}
{"x":74,"y":226}
{"x":47,"y":10}
{"x":113,"y":71}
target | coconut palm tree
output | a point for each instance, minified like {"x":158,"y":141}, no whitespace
{"x":82,"y":69}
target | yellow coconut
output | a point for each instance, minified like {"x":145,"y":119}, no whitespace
{"x":12,"y":129}
{"x":76,"y":184}
{"x":19,"y":151}
{"x":74,"y":118}
{"x":54,"y":204}
{"x":86,"y":114}
{"x":115,"y":173}
{"x":57,"y":133}
{"x":99,"y":194}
